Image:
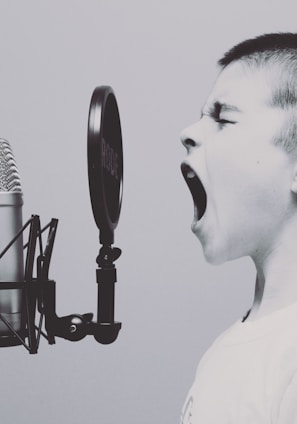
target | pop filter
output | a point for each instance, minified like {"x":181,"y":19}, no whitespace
{"x":105,"y":162}
{"x":105,"y":169}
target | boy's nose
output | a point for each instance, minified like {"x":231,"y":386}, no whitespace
{"x":190,"y":137}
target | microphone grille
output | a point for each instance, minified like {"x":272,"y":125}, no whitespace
{"x":9,"y":174}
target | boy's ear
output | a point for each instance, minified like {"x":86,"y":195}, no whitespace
{"x":294,"y":180}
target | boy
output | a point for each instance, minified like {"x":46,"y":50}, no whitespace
{"x":241,"y":168}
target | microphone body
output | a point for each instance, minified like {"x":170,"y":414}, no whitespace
{"x":12,"y":263}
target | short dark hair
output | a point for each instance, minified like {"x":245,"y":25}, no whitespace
{"x":278,"y":53}
{"x":263,"y":46}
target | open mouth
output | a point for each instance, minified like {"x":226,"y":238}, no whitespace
{"x":196,"y":188}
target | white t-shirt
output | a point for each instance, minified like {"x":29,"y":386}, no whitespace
{"x":249,"y":374}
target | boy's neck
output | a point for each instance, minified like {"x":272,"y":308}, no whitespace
{"x":276,"y":283}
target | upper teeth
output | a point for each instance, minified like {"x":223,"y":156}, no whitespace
{"x":190,"y":174}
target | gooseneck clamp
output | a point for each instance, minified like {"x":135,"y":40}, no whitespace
{"x":38,"y":292}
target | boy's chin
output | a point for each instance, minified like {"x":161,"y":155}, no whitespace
{"x":218,"y":256}
{"x":219,"y":250}
{"x":214,"y":260}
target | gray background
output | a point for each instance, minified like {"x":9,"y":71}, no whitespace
{"x":159,"y":56}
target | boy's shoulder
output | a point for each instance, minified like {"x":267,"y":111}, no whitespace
{"x":251,"y":364}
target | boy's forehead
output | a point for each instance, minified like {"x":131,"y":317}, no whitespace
{"x":242,"y":87}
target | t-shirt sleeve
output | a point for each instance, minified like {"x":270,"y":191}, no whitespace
{"x":288,"y":405}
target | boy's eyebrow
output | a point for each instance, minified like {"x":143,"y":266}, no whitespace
{"x":225,"y":107}
{"x":217,"y":107}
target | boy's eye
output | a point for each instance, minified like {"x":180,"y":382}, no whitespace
{"x":224,"y":121}
{"x":217,"y":110}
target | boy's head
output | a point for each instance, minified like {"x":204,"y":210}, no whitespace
{"x":241,"y":167}
{"x":276,"y":54}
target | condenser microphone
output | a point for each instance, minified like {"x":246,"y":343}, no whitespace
{"x":11,"y":263}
